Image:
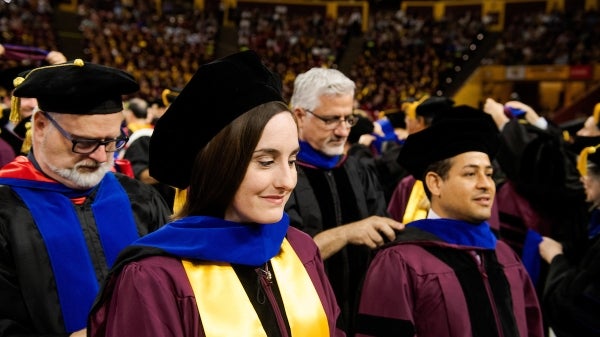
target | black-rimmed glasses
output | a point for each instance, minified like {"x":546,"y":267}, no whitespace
{"x":86,"y":145}
{"x":332,"y":122}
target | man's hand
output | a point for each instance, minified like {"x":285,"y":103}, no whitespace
{"x":496,"y":110}
{"x":372,"y":232}
{"x":549,"y":248}
{"x":80,"y":333}
{"x":530,"y":115}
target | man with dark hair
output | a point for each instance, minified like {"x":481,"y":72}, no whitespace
{"x":448,"y":275}
{"x":408,"y":201}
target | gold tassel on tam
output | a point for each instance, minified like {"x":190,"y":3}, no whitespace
{"x":15,"y":103}
{"x":582,"y":160}
{"x":15,"y":106}
{"x":165,"y":97}
{"x":410,"y":108}
{"x":26,"y":146}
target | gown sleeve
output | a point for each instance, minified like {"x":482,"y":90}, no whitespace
{"x":146,"y":299}
{"x":571,"y":299}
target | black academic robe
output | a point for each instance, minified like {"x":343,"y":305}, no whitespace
{"x":324,"y":199}
{"x":29,"y":302}
{"x":571,"y":300}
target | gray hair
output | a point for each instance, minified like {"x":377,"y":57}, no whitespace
{"x":317,"y":82}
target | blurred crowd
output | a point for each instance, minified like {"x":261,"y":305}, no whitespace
{"x":402,"y":56}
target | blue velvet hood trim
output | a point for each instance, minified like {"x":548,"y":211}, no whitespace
{"x":459,"y":232}
{"x":315,"y":158}
{"x":214,"y":239}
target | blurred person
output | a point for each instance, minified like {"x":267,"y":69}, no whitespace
{"x":571,"y":296}
{"x":16,"y":122}
{"x":338,"y":200}
{"x":376,"y":144}
{"x":64,"y":216}
{"x":229,"y":264}
{"x":155,"y":110}
{"x":447,"y":274}
{"x":7,"y":153}
{"x":542,"y":194}
{"x":389,"y":142}
{"x":360,"y":140}
{"x":408,"y":201}
{"x":588,"y":133}
{"x":590,"y":126}
{"x":136,"y":114}
{"x":137,"y":149}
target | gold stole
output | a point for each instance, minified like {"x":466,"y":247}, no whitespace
{"x":418,"y":204}
{"x":225,"y":309}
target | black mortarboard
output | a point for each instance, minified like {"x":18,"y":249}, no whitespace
{"x":363,"y":126}
{"x":461,"y":129}
{"x":396,"y":117}
{"x":218,"y":93}
{"x":76,"y":87}
{"x":434,"y":106}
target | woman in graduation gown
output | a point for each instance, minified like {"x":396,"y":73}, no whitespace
{"x":229,"y":264}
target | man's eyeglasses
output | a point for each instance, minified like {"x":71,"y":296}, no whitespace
{"x":87,"y":146}
{"x":332,"y":122}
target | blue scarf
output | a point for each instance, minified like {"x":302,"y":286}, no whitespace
{"x":215,"y":239}
{"x":459,"y":232}
{"x":315,"y":158}
{"x":54,"y":214}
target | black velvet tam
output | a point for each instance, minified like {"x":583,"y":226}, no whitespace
{"x":76,"y":87}
{"x":461,"y":129}
{"x":218,"y":93}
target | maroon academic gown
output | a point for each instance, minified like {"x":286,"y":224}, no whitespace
{"x":443,"y":290}
{"x":166,"y":306}
{"x":6,"y":153}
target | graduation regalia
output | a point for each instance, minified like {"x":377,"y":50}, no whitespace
{"x":169,"y":306}
{"x":30,"y":301}
{"x":467,"y":285}
{"x":448,"y":277}
{"x":57,"y":243}
{"x":202,"y":275}
{"x":340,"y":191}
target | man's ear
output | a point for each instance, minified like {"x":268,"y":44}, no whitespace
{"x":434,"y":183}
{"x":300,"y":114}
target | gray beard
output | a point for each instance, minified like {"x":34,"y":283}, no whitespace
{"x":84,"y":180}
